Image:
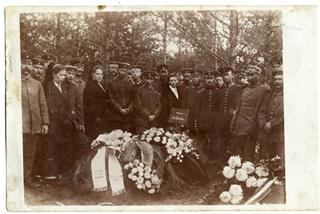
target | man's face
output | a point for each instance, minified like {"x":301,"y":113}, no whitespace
{"x":97,"y":75}
{"x":70,"y":75}
{"x":244,"y":80}
{"x":38,"y":70}
{"x":219,"y":81}
{"x":79,"y":72}
{"x":136,"y":74}
{"x":163,"y":74}
{"x":253,"y":78}
{"x":60,"y":76}
{"x":181,"y":80}
{"x":113,"y":69}
{"x":278,"y":81}
{"x":187,"y":77}
{"x":149,"y":80}
{"x":122,"y":72}
{"x":173,"y":81}
{"x":26,"y":68}
{"x":227,"y":77}
{"x":196,"y":79}
{"x":210,"y":80}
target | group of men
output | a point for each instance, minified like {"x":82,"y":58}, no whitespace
{"x":234,"y":113}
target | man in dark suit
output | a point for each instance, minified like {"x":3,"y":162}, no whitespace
{"x":171,"y":97}
{"x":271,"y":119}
{"x":121,"y":95}
{"x":147,"y":105}
{"x":244,"y":123}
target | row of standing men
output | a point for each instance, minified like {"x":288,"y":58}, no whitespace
{"x":64,"y":113}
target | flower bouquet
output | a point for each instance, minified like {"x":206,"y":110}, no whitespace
{"x":143,"y":176}
{"x":177,"y":145}
{"x":242,"y":180}
{"x":114,"y":140}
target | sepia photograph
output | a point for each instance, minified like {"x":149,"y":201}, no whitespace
{"x":180,"y":106}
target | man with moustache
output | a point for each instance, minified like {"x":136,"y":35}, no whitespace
{"x":121,"y":94}
{"x":147,"y":105}
{"x":271,"y":119}
{"x":35,"y":120}
{"x":244,"y":123}
{"x":187,"y":76}
{"x":38,"y":72}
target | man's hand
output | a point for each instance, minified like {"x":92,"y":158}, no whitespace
{"x":152,"y":117}
{"x":44,"y":129}
{"x":81,"y":127}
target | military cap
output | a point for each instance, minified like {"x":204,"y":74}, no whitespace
{"x":242,"y":74}
{"x":76,"y":61}
{"x":162,"y":66}
{"x":253,"y":69}
{"x":37,"y":61}
{"x":224,"y":69}
{"x":196,"y":71}
{"x":186,"y":70}
{"x":57,"y":68}
{"x":71,"y":68}
{"x":210,"y":73}
{"x":172,"y":75}
{"x":123,"y":65}
{"x":26,"y":56}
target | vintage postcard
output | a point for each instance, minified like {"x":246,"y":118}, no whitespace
{"x":161,"y":108}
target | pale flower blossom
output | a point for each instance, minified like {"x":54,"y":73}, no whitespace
{"x":134,"y":178}
{"x":236,"y":199}
{"x":151,"y":191}
{"x":241,"y":175}
{"x":148,"y":183}
{"x":157,"y":139}
{"x":225,"y":197}
{"x":235,"y":189}
{"x":228,"y":172}
{"x":251,"y":182}
{"x":261,"y":181}
{"x":248,"y":166}
{"x":147,"y":175}
{"x":234,"y":161}
{"x":262,"y":171}
{"x":140,"y":180}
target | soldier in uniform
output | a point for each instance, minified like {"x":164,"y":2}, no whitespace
{"x":171,"y":97}
{"x":35,"y":120}
{"x":226,"y":100}
{"x":162,"y":84}
{"x":271,"y":119}
{"x":244,"y":123}
{"x":147,"y":105}
{"x":187,"y":73}
{"x":190,"y":101}
{"x":207,"y":114}
{"x":79,"y":81}
{"x":38,"y":72}
{"x":136,"y":72}
{"x":243,"y":79}
{"x":121,"y":95}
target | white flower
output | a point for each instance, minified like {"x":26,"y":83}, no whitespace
{"x":168,"y":134}
{"x":141,"y":164}
{"x":235,"y":189}
{"x":151,"y":191}
{"x":228,"y":172}
{"x":149,"y":139}
{"x":136,"y":162}
{"x":147,"y":175}
{"x":141,"y":174}
{"x":134,"y":170}
{"x":140,"y":180}
{"x":241,"y":175}
{"x":148,"y":183}
{"x":236,"y":199}
{"x":155,"y":179}
{"x":139,"y":186}
{"x":234,"y":161}
{"x":261,"y":181}
{"x":126,"y":166}
{"x":130,"y":165}
{"x":248,"y":166}
{"x":130,"y":175}
{"x":262,"y":171}
{"x":251,"y":182}
{"x":134,"y":178}
{"x":157,"y":139}
{"x":147,"y":169}
{"x":225,"y":197}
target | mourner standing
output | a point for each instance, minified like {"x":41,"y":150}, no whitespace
{"x":95,"y":106}
{"x":136,"y":76}
{"x":244,"y":124}
{"x":171,"y":97}
{"x":187,"y":73}
{"x":121,"y":94}
{"x":162,"y":84}
{"x":147,"y":105}
{"x":190,"y":101}
{"x":271,"y":119}
{"x":35,"y":120}
{"x":38,"y":72}
{"x":226,"y":99}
